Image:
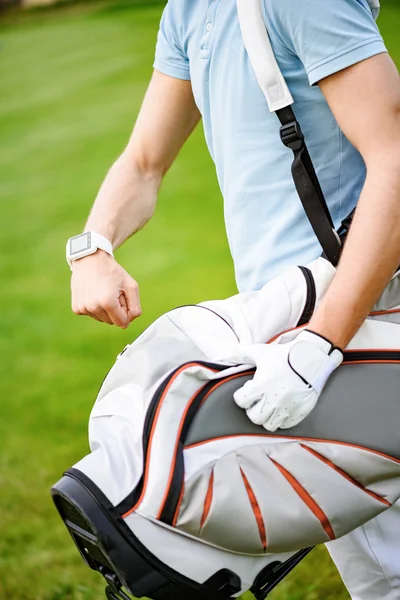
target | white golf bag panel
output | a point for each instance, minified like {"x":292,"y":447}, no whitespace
{"x":201,"y":486}
{"x":177,"y":380}
{"x":288,"y":300}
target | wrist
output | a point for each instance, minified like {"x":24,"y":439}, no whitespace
{"x":333,"y":327}
{"x":85,"y":244}
{"x":106,"y":231}
{"x":338,"y":338}
{"x":100,"y":256}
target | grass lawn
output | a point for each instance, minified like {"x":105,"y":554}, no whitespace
{"x":71,"y":83}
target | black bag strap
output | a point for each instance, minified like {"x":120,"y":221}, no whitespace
{"x":308,"y":186}
{"x":277,"y":94}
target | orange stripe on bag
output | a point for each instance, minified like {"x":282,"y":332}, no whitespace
{"x":345,"y":475}
{"x":270,"y":436}
{"x":207,"y":501}
{"x":256,"y":510}
{"x":181,"y":425}
{"x":178,"y":507}
{"x":377,"y":313}
{"x":307,"y":499}
{"x":163,"y":396}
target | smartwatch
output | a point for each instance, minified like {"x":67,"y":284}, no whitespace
{"x":85,"y":244}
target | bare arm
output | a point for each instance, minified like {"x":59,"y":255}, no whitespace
{"x":128,"y":196}
{"x":365,"y":100}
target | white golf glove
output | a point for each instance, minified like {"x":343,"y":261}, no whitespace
{"x":288,"y":381}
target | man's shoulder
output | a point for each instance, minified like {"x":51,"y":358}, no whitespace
{"x":288,"y":10}
{"x":318,"y":30}
{"x":184,"y":8}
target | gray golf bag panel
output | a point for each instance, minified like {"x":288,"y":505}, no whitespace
{"x":360,"y":402}
{"x":330,"y":470}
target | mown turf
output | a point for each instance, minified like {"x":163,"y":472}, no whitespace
{"x":71,"y":83}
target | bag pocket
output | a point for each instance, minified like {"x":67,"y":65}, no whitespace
{"x":218,"y":508}
{"x":282,"y":497}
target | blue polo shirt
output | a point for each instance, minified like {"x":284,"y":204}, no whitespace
{"x":200,"y":41}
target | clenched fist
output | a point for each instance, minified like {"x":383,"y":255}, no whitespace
{"x":102,"y":289}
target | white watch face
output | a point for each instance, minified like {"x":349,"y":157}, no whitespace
{"x":80,"y":243}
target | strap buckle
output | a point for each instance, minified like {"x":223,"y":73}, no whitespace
{"x":114,"y":588}
{"x":292,"y":136}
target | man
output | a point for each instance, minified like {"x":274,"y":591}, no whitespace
{"x":347,"y":98}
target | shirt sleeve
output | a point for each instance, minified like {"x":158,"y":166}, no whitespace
{"x":170,"y":58}
{"x":327,"y":35}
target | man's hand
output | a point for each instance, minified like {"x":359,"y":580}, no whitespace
{"x":288,"y":381}
{"x":102,"y":289}
{"x":127,"y":199}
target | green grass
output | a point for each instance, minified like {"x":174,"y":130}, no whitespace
{"x":71,"y":83}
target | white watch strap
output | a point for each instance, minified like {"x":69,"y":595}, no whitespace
{"x":97,"y":241}
{"x":258,"y":46}
{"x":102,"y":243}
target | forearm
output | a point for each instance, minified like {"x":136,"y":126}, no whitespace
{"x":371,"y":255}
{"x":101,"y":288}
{"x":126,"y":200}
{"x":128,"y":196}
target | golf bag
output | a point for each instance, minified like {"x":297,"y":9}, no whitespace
{"x":182,"y":497}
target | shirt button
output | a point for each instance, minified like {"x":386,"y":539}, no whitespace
{"x":209,"y":26}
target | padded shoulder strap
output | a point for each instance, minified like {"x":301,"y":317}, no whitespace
{"x":271,"y":81}
{"x":258,"y":46}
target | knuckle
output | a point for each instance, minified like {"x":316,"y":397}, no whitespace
{"x":92,"y":307}
{"x":107,"y":302}
{"x":133,"y":285}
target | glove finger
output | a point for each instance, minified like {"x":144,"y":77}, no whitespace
{"x":291,"y":422}
{"x":302,"y":411}
{"x":276,"y":420}
{"x":247,"y":395}
{"x":260,"y":412}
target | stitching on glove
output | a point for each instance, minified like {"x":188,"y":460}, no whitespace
{"x":297,"y":373}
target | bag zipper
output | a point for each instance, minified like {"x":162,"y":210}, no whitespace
{"x":152,"y":410}
{"x":375,"y":356}
{"x":211,"y":311}
{"x":134,"y":497}
{"x":311,"y":298}
{"x":177,"y":481}
{"x":175,"y":491}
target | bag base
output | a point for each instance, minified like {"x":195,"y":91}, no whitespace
{"x":109,"y":547}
